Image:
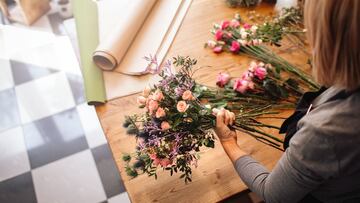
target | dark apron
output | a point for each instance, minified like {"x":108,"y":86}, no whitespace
{"x":290,"y":126}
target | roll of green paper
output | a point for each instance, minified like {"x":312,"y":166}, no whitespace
{"x":86,"y":18}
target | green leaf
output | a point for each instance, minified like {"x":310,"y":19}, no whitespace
{"x":126,"y":157}
{"x":284,"y":92}
{"x":292,"y":83}
{"x":272,"y":88}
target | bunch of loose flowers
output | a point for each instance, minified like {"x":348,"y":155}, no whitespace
{"x":238,"y":37}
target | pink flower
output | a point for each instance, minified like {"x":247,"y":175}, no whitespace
{"x":247,"y":76}
{"x":225,"y":24}
{"x":241,"y":85}
{"x":165,"y":125}
{"x":141,"y":100}
{"x":165,"y":162}
{"x":246,"y":26}
{"x":234,"y":23}
{"x":160,"y":112}
{"x":253,"y":28}
{"x":251,"y":85}
{"x":182,"y":106}
{"x":158,"y":95}
{"x":235,"y":46}
{"x":152,"y":156}
{"x":211,"y":44}
{"x":156,"y":161}
{"x":253,"y":66}
{"x":146,"y":92}
{"x":187,"y":95}
{"x":153,"y":105}
{"x":222,"y":79}
{"x":260,"y":73}
{"x":218,"y":34}
{"x":217,"y":49}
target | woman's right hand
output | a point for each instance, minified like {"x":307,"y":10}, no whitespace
{"x":224,"y":118}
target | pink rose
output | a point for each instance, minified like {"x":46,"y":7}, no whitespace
{"x":235,"y":46}
{"x":253,"y":65}
{"x":241,"y":85}
{"x":141,"y":100}
{"x":260,"y":73}
{"x":253,"y":28}
{"x":234,"y":23}
{"x":160,"y":112}
{"x":246,"y":26}
{"x":165,"y":125}
{"x":225,"y":24}
{"x":152,"y":156}
{"x":187,"y":95}
{"x":165,"y":162}
{"x":182,"y":106}
{"x":211,"y":44}
{"x":217,"y":49}
{"x":158,"y":95}
{"x":218,"y":34}
{"x":251,"y":85}
{"x":222,"y":79}
{"x":153,"y":105}
{"x":247,"y":76}
{"x":146,"y":92}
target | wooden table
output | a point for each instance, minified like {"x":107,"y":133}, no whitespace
{"x":215,"y":178}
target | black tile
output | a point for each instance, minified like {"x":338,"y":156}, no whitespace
{"x":24,"y":72}
{"x":19,"y":189}
{"x":9,"y":113}
{"x":54,"y":137}
{"x":77,"y":87}
{"x":108,"y":171}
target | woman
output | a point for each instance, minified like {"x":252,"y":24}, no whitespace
{"x":322,"y":160}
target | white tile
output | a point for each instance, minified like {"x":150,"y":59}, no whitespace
{"x":91,"y":125}
{"x":72,"y":179}
{"x":13,"y":154}
{"x":58,"y":54}
{"x":121,"y":198}
{"x":6,"y":78}
{"x":43,"y":97}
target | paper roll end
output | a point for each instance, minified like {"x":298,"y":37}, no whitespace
{"x":104,"y":60}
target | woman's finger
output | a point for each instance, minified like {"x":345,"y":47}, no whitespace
{"x":220,"y":119}
{"x":228,"y":118}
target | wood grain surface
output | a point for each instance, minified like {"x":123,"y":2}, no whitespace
{"x":215,"y":178}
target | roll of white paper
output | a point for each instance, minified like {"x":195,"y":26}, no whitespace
{"x":113,"y":47}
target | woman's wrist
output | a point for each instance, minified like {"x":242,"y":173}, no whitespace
{"x":232,"y":149}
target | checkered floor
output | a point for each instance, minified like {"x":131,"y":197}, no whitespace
{"x":52,"y":148}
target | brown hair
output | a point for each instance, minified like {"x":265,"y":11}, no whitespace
{"x":333,"y":28}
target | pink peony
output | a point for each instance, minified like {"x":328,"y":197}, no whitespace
{"x":182,"y":106}
{"x":222,"y":79}
{"x":187,"y":95}
{"x":241,"y":85}
{"x":141,"y":100}
{"x":260,"y":73}
{"x":234,"y":23}
{"x":211,"y":44}
{"x":158,"y":95}
{"x":217,"y":49}
{"x":235,"y":46}
{"x":165,"y":125}
{"x":165,"y":162}
{"x":146,"y":92}
{"x":225,"y":24}
{"x":218,"y":34}
{"x":246,"y":26}
{"x":153,"y":105}
{"x":160,"y":112}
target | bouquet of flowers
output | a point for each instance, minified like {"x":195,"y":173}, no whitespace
{"x":238,"y":37}
{"x":178,"y":121}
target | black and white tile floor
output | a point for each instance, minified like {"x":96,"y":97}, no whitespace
{"x":52,"y":148}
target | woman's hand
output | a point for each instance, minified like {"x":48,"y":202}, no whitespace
{"x":227,"y":137}
{"x":223,"y":119}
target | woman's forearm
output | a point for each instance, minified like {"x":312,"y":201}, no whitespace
{"x":233,"y":150}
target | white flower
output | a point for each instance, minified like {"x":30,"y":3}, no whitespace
{"x":242,"y":42}
{"x":208,"y":106}
{"x":253,"y":28}
{"x":203,"y":88}
{"x":244,"y":35}
{"x":261,"y":64}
